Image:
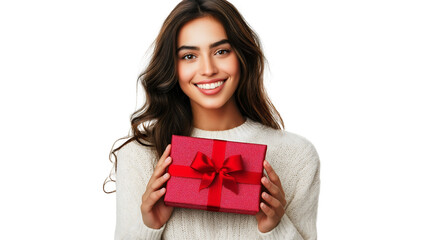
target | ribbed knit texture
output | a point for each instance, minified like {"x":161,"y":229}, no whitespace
{"x":293,"y":158}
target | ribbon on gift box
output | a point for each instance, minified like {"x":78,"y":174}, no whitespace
{"x":216,"y":172}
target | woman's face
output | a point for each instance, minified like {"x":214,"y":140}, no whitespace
{"x":208,"y":68}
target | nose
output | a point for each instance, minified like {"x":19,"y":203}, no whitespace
{"x":208,"y":66}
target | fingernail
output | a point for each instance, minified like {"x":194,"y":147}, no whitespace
{"x":166,"y":175}
{"x":168,"y":159}
{"x":264,"y":180}
{"x":162,"y":190}
{"x":266,"y":163}
{"x":264,"y":194}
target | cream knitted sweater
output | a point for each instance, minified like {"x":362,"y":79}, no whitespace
{"x":293,"y":157}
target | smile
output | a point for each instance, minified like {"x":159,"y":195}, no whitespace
{"x":209,"y":86}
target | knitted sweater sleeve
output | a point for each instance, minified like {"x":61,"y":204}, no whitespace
{"x":299,"y":220}
{"x":134,"y":170}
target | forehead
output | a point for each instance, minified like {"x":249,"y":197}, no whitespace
{"x":201,"y":32}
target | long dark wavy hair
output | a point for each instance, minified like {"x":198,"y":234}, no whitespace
{"x":167,"y":109}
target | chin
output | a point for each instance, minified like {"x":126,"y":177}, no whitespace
{"x":212,"y":106}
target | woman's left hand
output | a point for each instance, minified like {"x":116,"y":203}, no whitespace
{"x":273,"y":206}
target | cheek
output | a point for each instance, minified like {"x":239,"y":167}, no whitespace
{"x":185,"y":73}
{"x":232,"y":67}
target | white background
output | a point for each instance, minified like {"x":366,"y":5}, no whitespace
{"x":350,"y":76}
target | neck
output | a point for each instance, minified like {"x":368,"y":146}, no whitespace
{"x":224,"y":118}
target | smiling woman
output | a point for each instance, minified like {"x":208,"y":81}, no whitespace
{"x":205,"y":79}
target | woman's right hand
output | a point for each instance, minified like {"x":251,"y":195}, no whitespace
{"x":154,"y":212}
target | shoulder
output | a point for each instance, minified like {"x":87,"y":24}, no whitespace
{"x":285,"y":144}
{"x":296,"y":142}
{"x":134,"y":153}
{"x":294,"y":158}
{"x":301,"y":148}
{"x":277,"y":138}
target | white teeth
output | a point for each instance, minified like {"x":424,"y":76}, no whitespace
{"x":210,"y":85}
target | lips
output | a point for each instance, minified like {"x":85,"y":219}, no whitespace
{"x":210,"y":87}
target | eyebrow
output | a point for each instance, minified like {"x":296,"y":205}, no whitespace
{"x":197,"y":48}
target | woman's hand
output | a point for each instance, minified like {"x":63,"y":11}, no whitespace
{"x":154,"y":212}
{"x":273,"y":206}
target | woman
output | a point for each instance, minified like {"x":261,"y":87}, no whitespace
{"x":205,"y":80}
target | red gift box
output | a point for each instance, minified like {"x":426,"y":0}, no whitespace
{"x":215,"y":175}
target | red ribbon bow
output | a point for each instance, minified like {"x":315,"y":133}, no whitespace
{"x":207,"y":167}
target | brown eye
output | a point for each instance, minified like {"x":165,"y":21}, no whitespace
{"x":223,"y":51}
{"x":188,"y":57}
